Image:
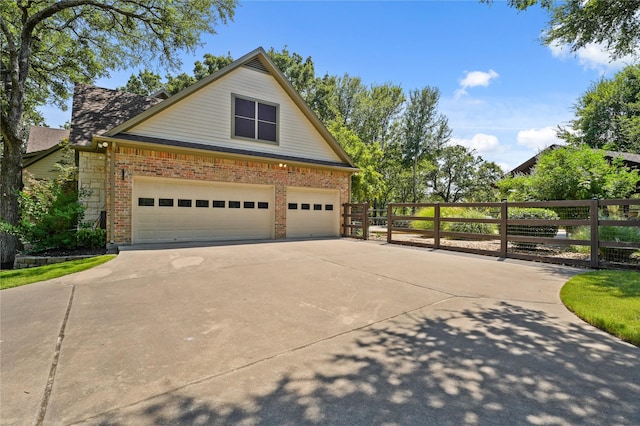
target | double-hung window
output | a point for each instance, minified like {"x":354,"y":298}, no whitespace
{"x":254,"y":119}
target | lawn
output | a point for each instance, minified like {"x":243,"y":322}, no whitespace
{"x":18,"y":277}
{"x":609,"y":300}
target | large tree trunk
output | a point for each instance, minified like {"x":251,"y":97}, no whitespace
{"x":11,"y":184}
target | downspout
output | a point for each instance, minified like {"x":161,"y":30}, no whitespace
{"x":112,"y":193}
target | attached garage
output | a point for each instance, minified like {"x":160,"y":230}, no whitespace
{"x":313,"y":212}
{"x":168,"y":210}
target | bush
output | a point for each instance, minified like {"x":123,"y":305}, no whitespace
{"x":456,"y":212}
{"x":92,"y":238}
{"x":545,"y":231}
{"x":51,"y":212}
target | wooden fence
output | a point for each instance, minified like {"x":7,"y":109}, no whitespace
{"x":590,"y":233}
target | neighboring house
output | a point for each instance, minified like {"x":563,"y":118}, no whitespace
{"x":629,"y":159}
{"x":238,"y":155}
{"x":44,"y":151}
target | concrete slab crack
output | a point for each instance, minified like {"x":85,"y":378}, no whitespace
{"x":42,"y":411}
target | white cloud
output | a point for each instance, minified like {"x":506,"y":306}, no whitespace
{"x":538,"y":139}
{"x":592,"y":56}
{"x":480,"y":142}
{"x":475,"y":79}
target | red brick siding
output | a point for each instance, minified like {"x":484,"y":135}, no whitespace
{"x":145,"y":162}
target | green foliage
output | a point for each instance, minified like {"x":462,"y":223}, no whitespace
{"x":458,"y":213}
{"x":457,"y":174}
{"x":50,"y":214}
{"x":572,"y":173}
{"x":91,"y":238}
{"x":145,"y":83}
{"x":579,"y":23}
{"x":608,"y":114}
{"x":544,"y":231}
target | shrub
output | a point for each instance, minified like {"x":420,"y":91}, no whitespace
{"x":92,"y":238}
{"x":50,"y":214}
{"x":546,"y":231}
{"x":456,"y":212}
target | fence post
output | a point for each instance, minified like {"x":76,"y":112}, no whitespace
{"x":504,"y":217}
{"x":436,"y":226}
{"x":389,"y":209}
{"x":365,"y":221}
{"x":344,"y":219}
{"x":593,"y":212}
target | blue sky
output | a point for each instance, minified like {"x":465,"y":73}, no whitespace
{"x":503,"y":92}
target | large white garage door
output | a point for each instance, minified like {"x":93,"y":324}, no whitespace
{"x":166,"y":210}
{"x":313,"y":213}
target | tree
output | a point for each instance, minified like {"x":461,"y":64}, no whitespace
{"x":578,"y":23}
{"x":145,"y":83}
{"x":608,"y":114}
{"x":46,"y":46}
{"x":572,"y":173}
{"x":457,"y":174}
{"x":424,"y":131}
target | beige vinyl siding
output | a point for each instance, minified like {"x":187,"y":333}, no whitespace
{"x":45,"y":168}
{"x":205,"y":117}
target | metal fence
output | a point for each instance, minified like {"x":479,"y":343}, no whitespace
{"x":590,"y":233}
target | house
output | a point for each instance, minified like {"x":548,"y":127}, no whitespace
{"x":629,"y":159}
{"x":44,"y":150}
{"x":238,"y":155}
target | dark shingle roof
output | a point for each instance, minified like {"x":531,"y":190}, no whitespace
{"x":97,"y":110}
{"x":44,"y":138}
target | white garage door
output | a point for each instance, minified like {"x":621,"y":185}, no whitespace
{"x":166,"y":210}
{"x":313,"y":213}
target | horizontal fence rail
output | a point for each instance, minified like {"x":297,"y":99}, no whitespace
{"x":589,"y":233}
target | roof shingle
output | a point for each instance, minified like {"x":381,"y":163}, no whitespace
{"x":96,"y":110}
{"x":44,"y":138}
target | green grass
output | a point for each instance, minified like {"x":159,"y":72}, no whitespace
{"x":609,"y":300}
{"x":18,"y":277}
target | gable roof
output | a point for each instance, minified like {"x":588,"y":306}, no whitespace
{"x":96,"y":110}
{"x":629,"y":159}
{"x":44,"y":138}
{"x":257,"y":60}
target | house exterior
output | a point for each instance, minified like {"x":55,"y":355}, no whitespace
{"x":238,"y":155}
{"x":44,"y":151}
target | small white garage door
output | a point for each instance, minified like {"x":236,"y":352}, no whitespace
{"x":166,"y":210}
{"x":313,"y":213}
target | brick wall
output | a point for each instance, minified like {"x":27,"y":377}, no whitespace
{"x":132,"y":162}
{"x":91,"y":181}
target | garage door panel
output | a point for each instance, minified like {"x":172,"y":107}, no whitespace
{"x":192,"y":215}
{"x":312,"y":213}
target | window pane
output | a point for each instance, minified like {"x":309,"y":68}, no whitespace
{"x":249,"y":205}
{"x":293,"y":206}
{"x":267,"y":112}
{"x":245,"y":108}
{"x":165,"y":202}
{"x":328,"y":206}
{"x":234,"y":204}
{"x":305,"y":206}
{"x":184,"y":203}
{"x":202,"y":203}
{"x":245,"y":128}
{"x":263,"y":205}
{"x":266,"y":131}
{"x":146,"y":202}
{"x":218,"y":204}
{"x":317,"y":206}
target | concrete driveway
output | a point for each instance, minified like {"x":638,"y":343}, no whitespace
{"x":309,"y":332}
